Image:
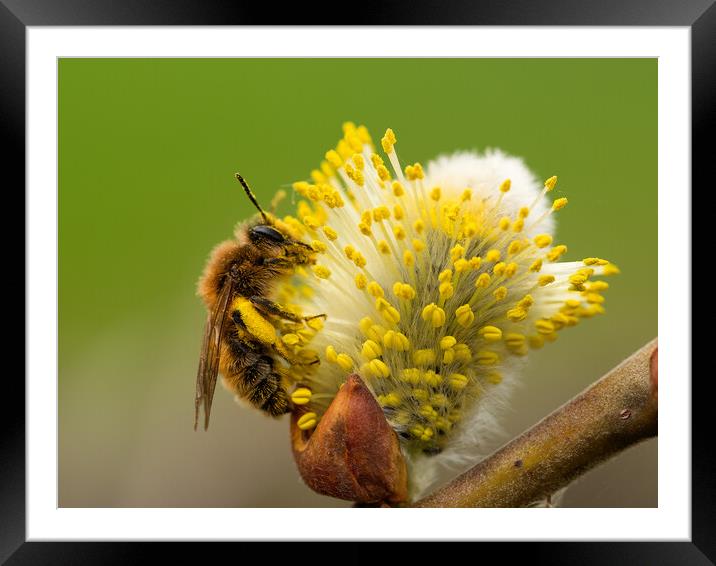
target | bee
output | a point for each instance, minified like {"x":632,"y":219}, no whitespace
{"x":240,"y":338}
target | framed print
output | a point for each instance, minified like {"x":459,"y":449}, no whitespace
{"x":376,"y":240}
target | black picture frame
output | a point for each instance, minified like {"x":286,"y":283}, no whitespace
{"x":17,"y":15}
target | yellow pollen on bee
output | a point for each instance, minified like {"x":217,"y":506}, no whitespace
{"x":301,"y":396}
{"x":545,"y":280}
{"x":483,"y":281}
{"x":307,"y":421}
{"x":559,"y":204}
{"x":371,"y":350}
{"x":490,"y":333}
{"x":493,"y":255}
{"x":396,"y":341}
{"x":505,"y":186}
{"x":434,"y":315}
{"x":464,"y":315}
{"x":321,"y":271}
{"x":500,"y":293}
{"x":447,"y":342}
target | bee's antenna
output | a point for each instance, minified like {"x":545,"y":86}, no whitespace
{"x":252,"y":197}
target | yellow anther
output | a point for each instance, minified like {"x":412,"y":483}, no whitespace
{"x":516,"y":246}
{"x":334,"y":159}
{"x":490,"y":333}
{"x":432,"y":379}
{"x":371,"y":350}
{"x":358,"y":161}
{"x":462,"y":353}
{"x":466,"y":195}
{"x":419,"y":226}
{"x":318,"y":246}
{"x":420,"y":394}
{"x":301,"y":187}
{"x":464,"y":315}
{"x":311,"y":222}
{"x":483,"y":281}
{"x":517,"y":314}
{"x":375,"y":289}
{"x":392,"y":399}
{"x":577,"y":279}
{"x":594,"y":261}
{"x":315,"y":323}
{"x":462,"y":265}
{"x":542,"y":240}
{"x":447,"y":342}
{"x":511,"y":269}
{"x":434,"y":315}
{"x":610,"y":269}
{"x":383,"y":173}
{"x":526,"y":302}
{"x":331,"y":354}
{"x":544,"y":326}
{"x":326,"y":169}
{"x":500,"y":293}
{"x":381,"y":213}
{"x":388,"y":141}
{"x":301,"y":396}
{"x":410,"y":375}
{"x":383,"y":247}
{"x":398,"y":212}
{"x":545,"y":280}
{"x":438,"y":400}
{"x":594,"y":298}
{"x":307,"y":421}
{"x":559,"y":204}
{"x":404,"y":291}
{"x":359,"y":259}
{"x":448,"y":356}
{"x":376,"y":160}
{"x":494,"y":377}
{"x":470,"y":229}
{"x":361,"y":281}
{"x":457,"y":252}
{"x":446,"y":290}
{"x":487,"y":357}
{"x":504,"y":223}
{"x":435,"y":194}
{"x":387,"y":311}
{"x":366,"y":217}
{"x":418,"y":245}
{"x":457,"y":381}
{"x":398,"y":189}
{"x":550,"y":183}
{"x":344,"y":149}
{"x":556,"y":252}
{"x":330,"y":233}
{"x":418,"y":171}
{"x":399,"y":232}
{"x":475,"y":262}
{"x":515,"y":341}
{"x":524,"y":212}
{"x":408,"y":258}
{"x":505,"y":186}
{"x":318,"y":176}
{"x":290,"y":339}
{"x":396,"y":341}
{"x":365,"y":229}
{"x":499,"y":268}
{"x":536,"y":266}
{"x":348,"y":127}
{"x":493,"y":255}
{"x":598,"y":286}
{"x":350,"y":251}
{"x":518,"y":225}
{"x":345,"y":362}
{"x":321,"y":271}
{"x":410,"y":173}
{"x":377,"y":368}
{"x":445,"y":275}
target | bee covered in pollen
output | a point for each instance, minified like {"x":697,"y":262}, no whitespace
{"x":256,"y":343}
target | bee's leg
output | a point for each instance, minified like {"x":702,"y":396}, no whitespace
{"x":269,"y":307}
{"x":267,"y":392}
{"x":279,"y":262}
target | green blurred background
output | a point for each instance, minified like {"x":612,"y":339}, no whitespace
{"x":147,"y":153}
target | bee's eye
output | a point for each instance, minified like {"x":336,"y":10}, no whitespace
{"x":264,"y":232}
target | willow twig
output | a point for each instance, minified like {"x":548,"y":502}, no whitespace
{"x":614,"y":413}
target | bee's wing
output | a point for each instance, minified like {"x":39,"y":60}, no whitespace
{"x":210,"y":353}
